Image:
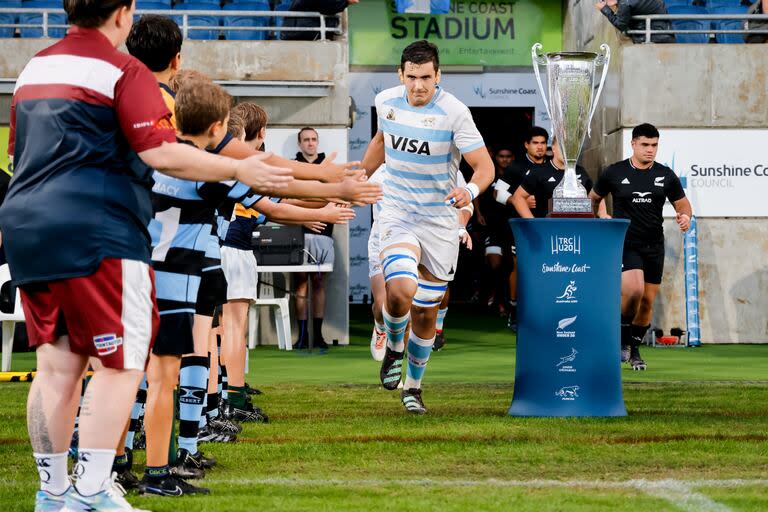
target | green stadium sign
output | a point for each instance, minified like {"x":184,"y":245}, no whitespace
{"x":475,"y":32}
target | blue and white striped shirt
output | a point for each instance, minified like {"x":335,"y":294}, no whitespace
{"x":423,"y":148}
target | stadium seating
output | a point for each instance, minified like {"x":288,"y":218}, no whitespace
{"x":246,"y":21}
{"x":162,"y":5}
{"x":37,"y":19}
{"x":715,"y":4}
{"x":728,"y":24}
{"x":8,"y":19}
{"x":282,"y":5}
{"x":200,"y":21}
{"x":689,"y":24}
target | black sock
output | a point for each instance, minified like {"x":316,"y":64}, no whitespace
{"x":157,"y":473}
{"x":212,"y":407}
{"x":317,"y":326}
{"x":637,"y":333}
{"x":626,"y":321}
{"x":121,"y":463}
{"x":302,"y":330}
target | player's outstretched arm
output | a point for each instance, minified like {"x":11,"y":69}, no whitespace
{"x":374,"y":154}
{"x":329,"y":214}
{"x":351,"y":188}
{"x":188,"y":163}
{"x":327,"y":172}
{"x":482,"y":165}
{"x":684,"y":213}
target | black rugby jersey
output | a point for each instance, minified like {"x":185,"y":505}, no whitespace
{"x":639,"y":195}
{"x":541,"y":183}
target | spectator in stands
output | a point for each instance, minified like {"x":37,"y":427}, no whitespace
{"x":620,"y":13}
{"x":329,"y":8}
{"x":759,"y":7}
{"x":318,"y":249}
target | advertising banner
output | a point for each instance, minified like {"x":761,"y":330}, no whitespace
{"x":568,"y":361}
{"x":724,"y":171}
{"x":474,"y":32}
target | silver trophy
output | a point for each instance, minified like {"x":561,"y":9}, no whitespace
{"x":571,"y":102}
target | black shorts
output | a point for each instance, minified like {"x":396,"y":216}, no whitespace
{"x":644,"y":256}
{"x":174,"y":338}
{"x":501,"y":238}
{"x":212,"y":292}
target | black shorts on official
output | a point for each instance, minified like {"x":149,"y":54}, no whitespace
{"x":647,"y":257}
{"x":212,"y":292}
{"x":174,"y":338}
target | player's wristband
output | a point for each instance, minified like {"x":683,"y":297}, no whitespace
{"x":473,"y":190}
{"x":502,"y":196}
{"x":501,"y":185}
{"x":469,"y":208}
{"x":462,"y":232}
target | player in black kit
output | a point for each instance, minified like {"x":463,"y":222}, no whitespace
{"x":492,"y":215}
{"x":640,"y":187}
{"x":541,"y":183}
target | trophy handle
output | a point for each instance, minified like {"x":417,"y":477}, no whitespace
{"x":539,"y":59}
{"x":604,"y":59}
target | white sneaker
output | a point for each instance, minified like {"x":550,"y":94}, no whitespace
{"x":110,"y":499}
{"x":378,"y":344}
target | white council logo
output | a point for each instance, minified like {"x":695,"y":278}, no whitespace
{"x":565,"y":244}
{"x":568,"y":296}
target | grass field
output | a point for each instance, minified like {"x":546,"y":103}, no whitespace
{"x":696,"y":437}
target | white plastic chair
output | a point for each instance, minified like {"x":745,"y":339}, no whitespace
{"x":9,"y":321}
{"x":282,"y":321}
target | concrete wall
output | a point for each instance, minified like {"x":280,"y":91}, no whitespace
{"x":300,"y":61}
{"x":694,"y":86}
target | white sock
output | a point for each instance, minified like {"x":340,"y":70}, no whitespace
{"x":92,"y":470}
{"x":380,"y":327}
{"x":52,"y":468}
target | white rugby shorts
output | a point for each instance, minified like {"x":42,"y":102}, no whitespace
{"x":439,"y":245}
{"x":374,"y":251}
{"x":241,"y":272}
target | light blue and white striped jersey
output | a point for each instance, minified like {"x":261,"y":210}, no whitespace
{"x":380,"y":175}
{"x":423,"y":148}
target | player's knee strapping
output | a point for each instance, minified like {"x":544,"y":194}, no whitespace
{"x":400,"y":263}
{"x":429,"y":294}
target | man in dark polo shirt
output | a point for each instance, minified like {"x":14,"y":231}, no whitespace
{"x":318,"y":249}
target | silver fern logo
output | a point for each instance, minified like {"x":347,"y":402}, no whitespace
{"x":563,"y":324}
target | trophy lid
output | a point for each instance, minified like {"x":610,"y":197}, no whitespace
{"x":555,"y":56}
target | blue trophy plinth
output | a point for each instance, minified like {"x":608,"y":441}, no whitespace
{"x":568,"y":338}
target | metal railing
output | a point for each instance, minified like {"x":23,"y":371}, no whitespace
{"x":648,"y":19}
{"x":185,"y":26}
